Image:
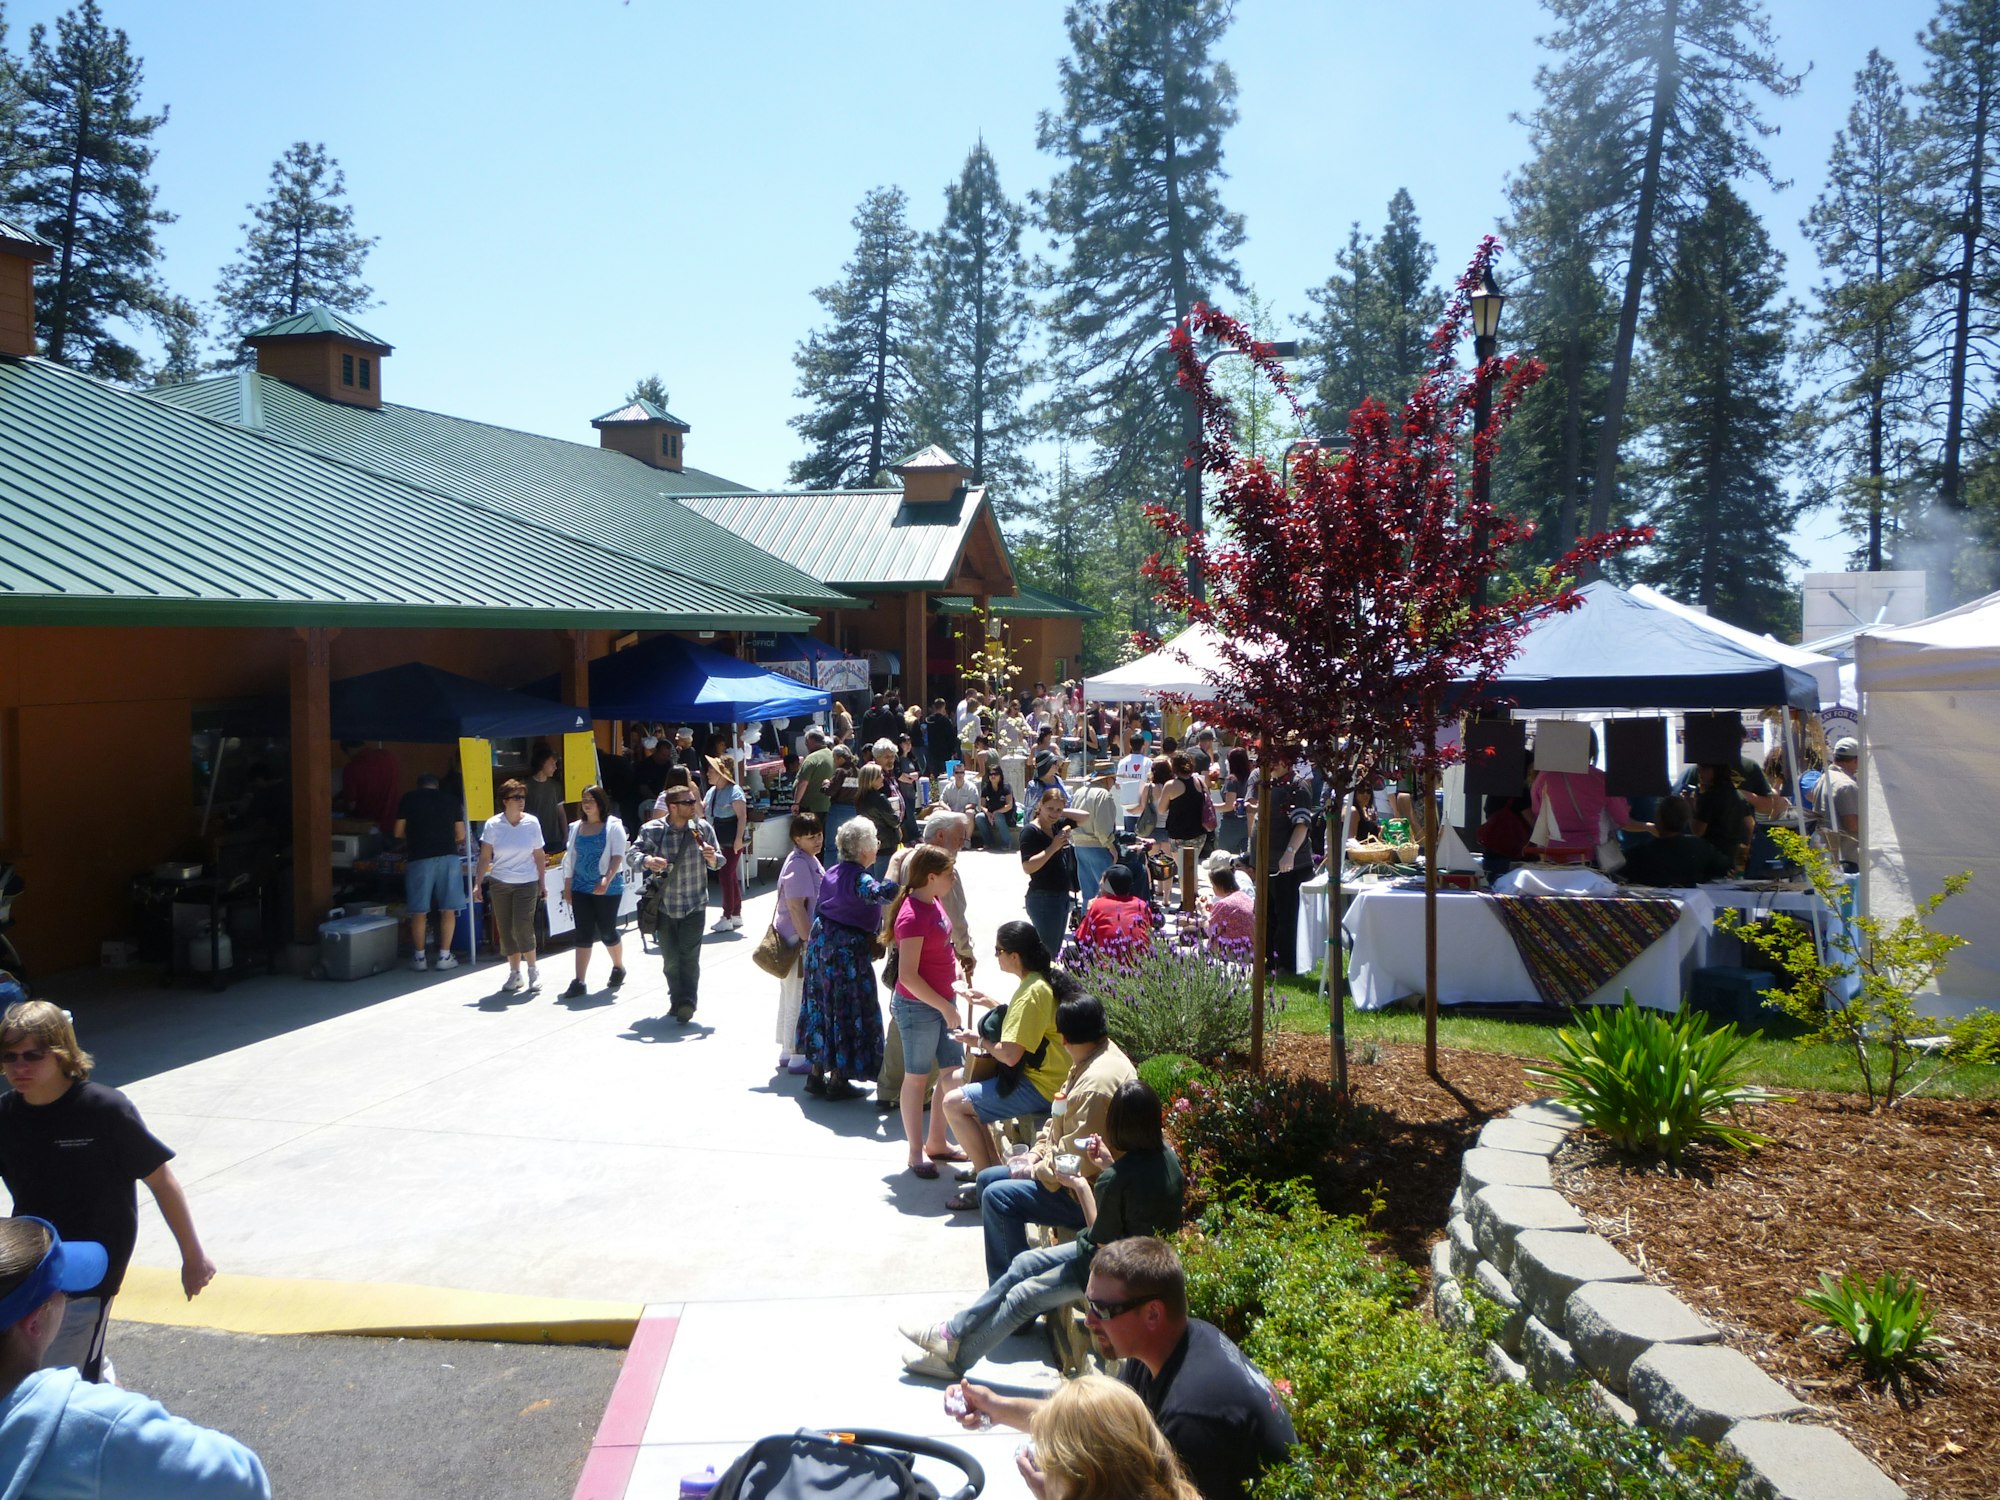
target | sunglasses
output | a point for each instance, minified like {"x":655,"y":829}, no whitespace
{"x":30,"y":1056}
{"x":515,"y":797}
{"x":682,"y":801}
{"x":1104,"y":1312}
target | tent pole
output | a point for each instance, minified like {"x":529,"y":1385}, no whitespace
{"x":1799,"y":817}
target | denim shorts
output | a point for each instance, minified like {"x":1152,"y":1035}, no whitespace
{"x":925,"y":1039}
{"x":432,"y":883}
{"x":992,"y":1103}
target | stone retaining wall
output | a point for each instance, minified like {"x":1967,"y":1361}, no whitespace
{"x":1577,"y":1309}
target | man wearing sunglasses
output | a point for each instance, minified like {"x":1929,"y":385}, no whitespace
{"x":677,"y":850}
{"x":1215,"y":1408}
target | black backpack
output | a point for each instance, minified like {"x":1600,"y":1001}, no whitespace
{"x":858,"y":1465}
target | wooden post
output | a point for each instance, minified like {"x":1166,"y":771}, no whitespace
{"x":1260,"y":954}
{"x":576,"y":668}
{"x":1189,"y":858}
{"x":916,"y":642}
{"x":1431,"y":821}
{"x":311,"y":652}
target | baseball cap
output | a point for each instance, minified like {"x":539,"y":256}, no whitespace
{"x":649,"y":741}
{"x":1847,"y":748}
{"x":77,"y":1266}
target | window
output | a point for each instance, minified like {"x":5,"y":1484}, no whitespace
{"x":364,"y":373}
{"x":666,"y":445}
{"x":347,"y":369}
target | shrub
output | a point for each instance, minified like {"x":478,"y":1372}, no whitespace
{"x":1885,"y":1323}
{"x":1655,"y":1084}
{"x":1385,"y":1402}
{"x":1258,"y":1129}
{"x":1976,"y":1039}
{"x":1166,"y":996}
{"x":1888,"y":963}
{"x":1170,"y":1075}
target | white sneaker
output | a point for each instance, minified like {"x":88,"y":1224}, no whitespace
{"x":735,"y":922}
{"x":721,"y":925}
{"x":420,"y":963}
{"x":513,"y":984}
{"x":534,"y":977}
{"x":447,"y":961}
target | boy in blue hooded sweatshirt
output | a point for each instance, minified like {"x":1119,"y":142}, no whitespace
{"x":65,"y":1438}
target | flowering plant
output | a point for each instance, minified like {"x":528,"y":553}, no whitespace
{"x":1165,"y":993}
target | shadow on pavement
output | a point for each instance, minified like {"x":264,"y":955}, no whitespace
{"x":665,"y":1031}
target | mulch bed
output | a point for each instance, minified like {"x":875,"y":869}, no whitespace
{"x":1915,"y":1190}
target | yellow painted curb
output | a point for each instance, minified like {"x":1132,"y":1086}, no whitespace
{"x":269,"y":1305}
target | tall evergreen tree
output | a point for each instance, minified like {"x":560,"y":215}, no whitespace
{"x":1864,"y":422}
{"x":1264,"y":423}
{"x":1372,"y":335}
{"x":855,"y":372}
{"x":1717,"y":413}
{"x":1137,"y":209}
{"x":972,"y":363}
{"x":1958,"y":171}
{"x":649,"y":388}
{"x":179,"y":325}
{"x":86,"y":190}
{"x":300,"y":250}
{"x":11,"y":164}
{"x":1676,"y":79}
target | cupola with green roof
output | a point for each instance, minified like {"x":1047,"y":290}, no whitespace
{"x":21,"y":250}
{"x":320,"y":351}
{"x":930,"y":474}
{"x":646,"y":431}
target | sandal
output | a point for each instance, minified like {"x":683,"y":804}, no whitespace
{"x":950,"y":1153}
{"x":964,"y":1201}
{"x":924,"y":1169}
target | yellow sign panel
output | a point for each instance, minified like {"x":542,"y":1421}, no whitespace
{"x":475,"y":764}
{"x":579,"y":759}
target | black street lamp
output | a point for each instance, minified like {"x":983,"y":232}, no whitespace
{"x":1486,"y":304}
{"x":1191,"y":475}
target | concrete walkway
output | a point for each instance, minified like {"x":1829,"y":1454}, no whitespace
{"x":424,"y":1131}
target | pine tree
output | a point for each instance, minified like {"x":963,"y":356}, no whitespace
{"x":1717,"y":412}
{"x":1376,"y":314}
{"x":972,"y":369}
{"x":1264,"y":423}
{"x":11,"y":164}
{"x":855,"y":372}
{"x":1675,"y":77}
{"x":85,"y":189}
{"x":650,"y":388}
{"x":300,"y":251}
{"x":1864,"y":422}
{"x":1958,"y":172}
{"x":1137,"y":209}
{"x":179,"y":325}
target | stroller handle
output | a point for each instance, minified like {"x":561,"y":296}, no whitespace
{"x":958,"y":1458}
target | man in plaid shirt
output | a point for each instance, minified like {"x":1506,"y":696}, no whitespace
{"x":679,"y":850}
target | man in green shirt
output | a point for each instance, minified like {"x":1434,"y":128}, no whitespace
{"x":815,"y":771}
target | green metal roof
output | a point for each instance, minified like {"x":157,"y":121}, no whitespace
{"x":315,"y":321}
{"x":930,"y":458}
{"x":596,"y":495}
{"x":121,"y":510}
{"x":1035,"y":604}
{"x":638,"y":413}
{"x":22,"y":238}
{"x":853,"y":538}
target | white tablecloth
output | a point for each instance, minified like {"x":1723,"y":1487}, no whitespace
{"x":1477,"y":962}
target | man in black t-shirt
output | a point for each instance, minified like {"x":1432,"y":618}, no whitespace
{"x":1221,"y":1416}
{"x":432,"y":826}
{"x":72,"y":1152}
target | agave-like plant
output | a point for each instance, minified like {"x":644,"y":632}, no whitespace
{"x":1655,"y":1084}
{"x":1885,"y":1323}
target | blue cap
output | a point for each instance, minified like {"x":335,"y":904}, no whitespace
{"x":77,"y":1266}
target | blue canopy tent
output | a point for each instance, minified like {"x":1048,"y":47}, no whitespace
{"x":421,"y":704}
{"x":679,"y":681}
{"x":1618,"y":651}
{"x":813,"y":662}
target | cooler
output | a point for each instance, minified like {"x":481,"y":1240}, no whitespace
{"x":1730,"y":994}
{"x":355,"y":947}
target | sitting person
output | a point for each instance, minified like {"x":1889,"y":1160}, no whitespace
{"x":1138,"y":1191}
{"x":1095,"y":1440}
{"x":1032,"y":1067}
{"x":1674,"y":856}
{"x":1721,"y":814}
{"x":1115,"y":916}
{"x":1231,"y":925}
{"x":66,"y":1438}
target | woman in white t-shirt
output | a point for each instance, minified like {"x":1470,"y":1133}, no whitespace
{"x":511,"y":866}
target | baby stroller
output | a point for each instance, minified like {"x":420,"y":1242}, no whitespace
{"x":857,"y":1465}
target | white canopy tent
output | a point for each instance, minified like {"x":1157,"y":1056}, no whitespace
{"x":1163,"y":671}
{"x":1930,"y":725}
{"x":1825,"y":670}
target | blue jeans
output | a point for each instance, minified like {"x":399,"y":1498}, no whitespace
{"x":1049,"y":912}
{"x":680,"y":955}
{"x":1091,"y":863}
{"x":1038,"y":1281}
{"x":1008,"y":1205}
{"x":993,"y":831}
{"x":926,"y":1044}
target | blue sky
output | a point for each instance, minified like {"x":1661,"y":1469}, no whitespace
{"x":571,"y":195}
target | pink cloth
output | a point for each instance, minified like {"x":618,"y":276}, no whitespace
{"x":371,"y":785}
{"x":1575,"y":798}
{"x":936,"y":962}
{"x":1232,"y":921}
{"x":1112,"y":919}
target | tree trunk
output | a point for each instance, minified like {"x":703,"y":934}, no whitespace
{"x":59,"y":313}
{"x":1177,"y":271}
{"x":1572,"y":437}
{"x":1950,"y":479}
{"x":1431,"y":821}
{"x":1666,"y":86}
{"x":1260,"y":962}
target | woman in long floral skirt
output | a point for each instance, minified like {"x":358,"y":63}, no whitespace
{"x":840,"y":1016}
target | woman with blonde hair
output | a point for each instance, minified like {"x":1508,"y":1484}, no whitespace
{"x":925,"y":1003}
{"x":1095,"y":1440}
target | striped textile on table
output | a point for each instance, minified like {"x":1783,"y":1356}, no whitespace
{"x":1573,"y":945}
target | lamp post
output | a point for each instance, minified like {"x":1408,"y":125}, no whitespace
{"x":1191,"y":474}
{"x":1486,"y":304}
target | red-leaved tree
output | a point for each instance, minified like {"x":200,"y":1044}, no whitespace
{"x":1351,"y":598}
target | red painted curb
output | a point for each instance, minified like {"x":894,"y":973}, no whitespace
{"x":607,"y":1472}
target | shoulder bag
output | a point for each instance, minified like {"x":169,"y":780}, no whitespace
{"x":774,"y":955}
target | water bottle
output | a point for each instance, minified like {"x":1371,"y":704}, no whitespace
{"x":697,"y":1486}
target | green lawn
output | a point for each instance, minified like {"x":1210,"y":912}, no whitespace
{"x":1774,"y":1064}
